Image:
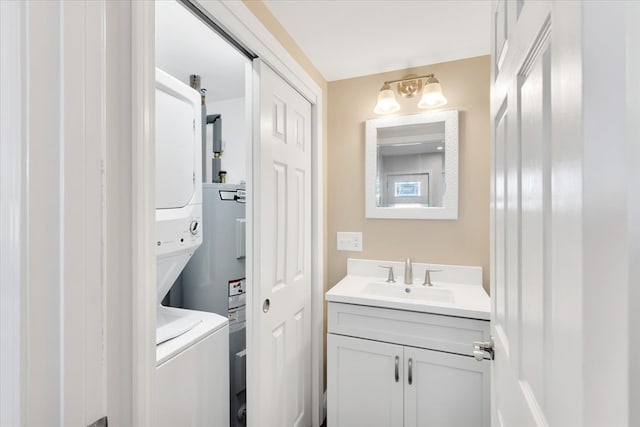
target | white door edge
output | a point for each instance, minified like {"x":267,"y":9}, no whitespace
{"x":12,"y":212}
{"x":143,"y":294}
{"x":241,"y":24}
{"x":633,"y":111}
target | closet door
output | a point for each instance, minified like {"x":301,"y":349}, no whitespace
{"x":279,"y":333}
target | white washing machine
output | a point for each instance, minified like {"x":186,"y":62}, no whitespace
{"x":192,"y":371}
{"x":192,"y":347}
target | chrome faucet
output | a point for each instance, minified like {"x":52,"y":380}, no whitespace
{"x":408,"y":272}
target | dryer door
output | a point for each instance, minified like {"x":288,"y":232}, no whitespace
{"x":175,"y":141}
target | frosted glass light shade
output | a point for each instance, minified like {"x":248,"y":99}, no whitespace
{"x":432,"y":96}
{"x":387,"y":103}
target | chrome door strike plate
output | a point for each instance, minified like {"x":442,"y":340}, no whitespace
{"x":483,"y":349}
{"x":102,"y":422}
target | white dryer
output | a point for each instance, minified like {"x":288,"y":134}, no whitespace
{"x":192,"y":365}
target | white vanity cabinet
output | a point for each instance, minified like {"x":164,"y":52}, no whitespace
{"x":388,"y":367}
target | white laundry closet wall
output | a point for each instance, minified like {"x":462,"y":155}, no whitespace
{"x":235,"y":137}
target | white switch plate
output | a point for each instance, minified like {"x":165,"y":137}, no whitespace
{"x":349,"y":241}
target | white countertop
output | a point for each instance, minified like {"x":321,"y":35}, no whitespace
{"x":468,"y":299}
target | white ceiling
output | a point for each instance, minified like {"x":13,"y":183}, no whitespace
{"x":185,"y":46}
{"x":351,"y":38}
{"x":343,"y":38}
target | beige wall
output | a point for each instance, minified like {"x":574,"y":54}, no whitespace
{"x":465,"y":83}
{"x":264,"y":15}
{"x":347,"y":104}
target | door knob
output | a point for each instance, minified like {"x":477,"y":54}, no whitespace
{"x":482,"y":349}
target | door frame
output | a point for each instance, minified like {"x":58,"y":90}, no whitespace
{"x":241,"y":24}
{"x":71,"y":242}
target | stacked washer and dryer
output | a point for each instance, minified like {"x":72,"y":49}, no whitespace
{"x":192,"y":347}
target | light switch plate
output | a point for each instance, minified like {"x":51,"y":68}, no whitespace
{"x":349,"y":241}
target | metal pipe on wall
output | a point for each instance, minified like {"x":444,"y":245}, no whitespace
{"x":216,"y":120}
{"x":195,"y":82}
{"x":216,"y":162}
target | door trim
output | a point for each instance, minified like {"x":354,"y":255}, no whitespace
{"x":241,"y":24}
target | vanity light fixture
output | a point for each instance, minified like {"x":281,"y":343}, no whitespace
{"x":408,"y":87}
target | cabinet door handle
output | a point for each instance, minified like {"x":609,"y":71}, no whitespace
{"x":397,"y":368}
{"x":410,"y":371}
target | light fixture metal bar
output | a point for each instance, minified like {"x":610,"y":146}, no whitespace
{"x":405,"y":79}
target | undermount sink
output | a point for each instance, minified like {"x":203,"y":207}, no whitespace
{"x":409,"y":292}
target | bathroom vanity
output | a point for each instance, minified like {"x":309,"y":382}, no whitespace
{"x":403,"y":354}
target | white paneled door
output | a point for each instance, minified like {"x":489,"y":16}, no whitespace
{"x":559,"y":225}
{"x":281,"y":309}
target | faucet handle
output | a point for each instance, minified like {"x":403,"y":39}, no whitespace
{"x":427,"y":277}
{"x":390,"y":278}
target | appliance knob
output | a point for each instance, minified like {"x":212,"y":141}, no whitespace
{"x":194,"y":227}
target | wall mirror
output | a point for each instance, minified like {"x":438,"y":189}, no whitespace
{"x":412,"y":166}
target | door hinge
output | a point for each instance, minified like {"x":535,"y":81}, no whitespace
{"x":102,"y":422}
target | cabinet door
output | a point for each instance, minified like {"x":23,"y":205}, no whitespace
{"x":364,"y":383}
{"x":445,"y":390}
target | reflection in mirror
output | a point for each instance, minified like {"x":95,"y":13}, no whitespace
{"x":410,"y":169}
{"x":412,"y":166}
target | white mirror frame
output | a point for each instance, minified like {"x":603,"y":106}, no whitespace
{"x":449,"y":210}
